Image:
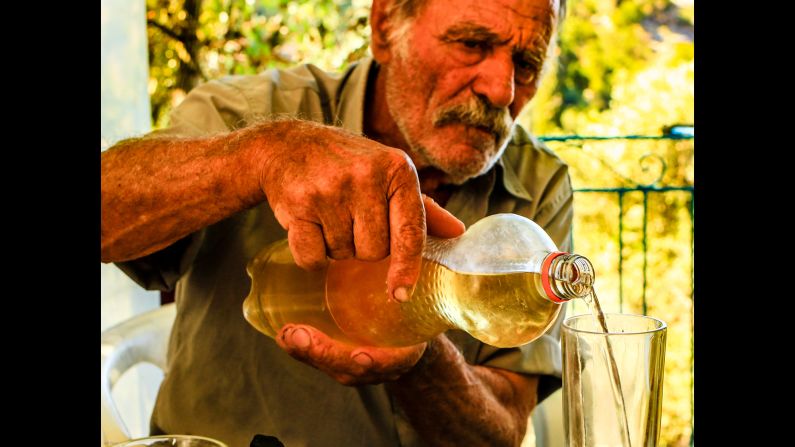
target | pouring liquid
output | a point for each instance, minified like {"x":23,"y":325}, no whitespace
{"x":615,"y":379}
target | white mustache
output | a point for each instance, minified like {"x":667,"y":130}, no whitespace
{"x":478,"y":114}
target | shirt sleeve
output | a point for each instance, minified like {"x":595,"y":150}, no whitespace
{"x":214,"y":107}
{"x":211,"y":108}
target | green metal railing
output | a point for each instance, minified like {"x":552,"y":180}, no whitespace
{"x":629,"y":186}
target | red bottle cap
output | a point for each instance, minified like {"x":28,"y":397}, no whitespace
{"x":545,"y":276}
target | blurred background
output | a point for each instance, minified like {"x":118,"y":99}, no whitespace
{"x":617,"y":105}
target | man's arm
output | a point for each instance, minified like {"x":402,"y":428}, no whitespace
{"x":450,"y":402}
{"x":155,"y":191}
{"x":335,"y":193}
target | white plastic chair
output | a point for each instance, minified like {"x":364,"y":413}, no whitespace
{"x":143,"y":338}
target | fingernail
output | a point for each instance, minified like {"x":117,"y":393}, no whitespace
{"x":402,"y":294}
{"x":300,"y":338}
{"x":363,"y":359}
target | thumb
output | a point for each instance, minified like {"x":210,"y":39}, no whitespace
{"x":439,"y":221}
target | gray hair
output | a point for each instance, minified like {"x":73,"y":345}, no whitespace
{"x":407,"y":9}
{"x":402,"y":13}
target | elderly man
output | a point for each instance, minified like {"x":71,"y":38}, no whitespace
{"x":338,"y":164}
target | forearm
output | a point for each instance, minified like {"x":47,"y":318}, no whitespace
{"x":158,"y":190}
{"x":450,"y":402}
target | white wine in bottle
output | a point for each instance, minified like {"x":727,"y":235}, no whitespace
{"x":502,"y":282}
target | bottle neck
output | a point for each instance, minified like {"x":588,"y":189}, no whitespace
{"x":565,"y":276}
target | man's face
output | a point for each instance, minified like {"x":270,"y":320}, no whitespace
{"x":460,"y":76}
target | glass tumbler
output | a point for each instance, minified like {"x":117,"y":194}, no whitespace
{"x":606,"y":406}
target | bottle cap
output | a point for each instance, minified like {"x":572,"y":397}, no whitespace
{"x":545,"y":276}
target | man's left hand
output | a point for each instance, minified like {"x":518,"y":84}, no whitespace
{"x":347,"y":364}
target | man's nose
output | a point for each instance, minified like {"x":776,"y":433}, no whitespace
{"x":495,"y":80}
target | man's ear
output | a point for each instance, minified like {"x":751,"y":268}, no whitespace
{"x":379,"y":30}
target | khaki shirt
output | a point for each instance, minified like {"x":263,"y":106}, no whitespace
{"x":228,"y":381}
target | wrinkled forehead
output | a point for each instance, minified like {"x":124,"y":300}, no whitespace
{"x":527,"y":20}
{"x":534,"y":10}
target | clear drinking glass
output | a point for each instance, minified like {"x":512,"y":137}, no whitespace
{"x":172,"y":441}
{"x":593,"y":410}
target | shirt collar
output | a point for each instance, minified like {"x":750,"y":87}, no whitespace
{"x":510,"y":180}
{"x":350,"y":113}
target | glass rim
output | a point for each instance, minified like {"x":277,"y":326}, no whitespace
{"x":178,"y":437}
{"x":662,"y":324}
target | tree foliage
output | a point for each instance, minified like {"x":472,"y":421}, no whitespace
{"x":622,"y":67}
{"x":191,"y":41}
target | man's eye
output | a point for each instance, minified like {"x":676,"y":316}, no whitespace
{"x":522,"y":64}
{"x":526,"y":71}
{"x":474,"y":45}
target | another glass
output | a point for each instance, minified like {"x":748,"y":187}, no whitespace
{"x":591,"y":407}
{"x":172,"y":441}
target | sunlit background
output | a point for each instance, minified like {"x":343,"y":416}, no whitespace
{"x":623,"y":68}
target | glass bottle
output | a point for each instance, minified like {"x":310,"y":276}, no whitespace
{"x":502,"y":281}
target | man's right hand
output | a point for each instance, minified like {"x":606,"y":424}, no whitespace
{"x":345,"y":196}
{"x":336,"y":193}
{"x":363,"y":365}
